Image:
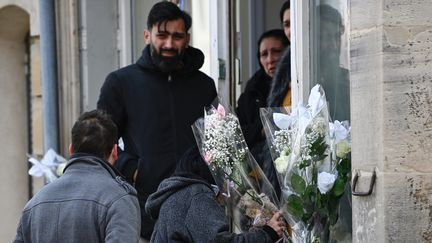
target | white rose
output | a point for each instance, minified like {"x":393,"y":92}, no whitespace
{"x":342,"y":149}
{"x":339,"y":130}
{"x":325,"y":182}
{"x":281,"y":164}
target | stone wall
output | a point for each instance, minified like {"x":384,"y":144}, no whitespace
{"x":14,"y":28}
{"x":391,"y":104}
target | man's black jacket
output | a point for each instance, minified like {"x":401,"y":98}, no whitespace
{"x":154,"y":112}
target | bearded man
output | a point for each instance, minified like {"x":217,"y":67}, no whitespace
{"x":155,"y":101}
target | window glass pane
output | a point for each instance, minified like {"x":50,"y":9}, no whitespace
{"x":330,"y":54}
{"x":329,"y":61}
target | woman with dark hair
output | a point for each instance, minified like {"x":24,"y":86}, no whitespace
{"x":187,"y":210}
{"x":285,"y":18}
{"x":271,"y":46}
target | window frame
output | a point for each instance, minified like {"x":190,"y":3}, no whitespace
{"x":302,"y":68}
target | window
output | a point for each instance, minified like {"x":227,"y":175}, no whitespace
{"x":320,"y":52}
{"x":330,"y":55}
{"x":320,"y":55}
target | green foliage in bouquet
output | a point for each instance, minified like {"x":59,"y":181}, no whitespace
{"x":317,"y":209}
{"x":312,"y":160}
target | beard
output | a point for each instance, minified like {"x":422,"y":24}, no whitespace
{"x":164,"y":63}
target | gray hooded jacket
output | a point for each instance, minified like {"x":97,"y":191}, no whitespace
{"x":186,"y":210}
{"x":88,"y":203}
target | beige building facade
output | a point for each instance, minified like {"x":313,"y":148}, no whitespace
{"x":391,"y":101}
{"x":20,"y":95}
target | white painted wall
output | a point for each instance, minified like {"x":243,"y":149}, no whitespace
{"x":204,"y":34}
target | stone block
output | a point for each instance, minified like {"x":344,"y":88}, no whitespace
{"x":37,"y":126}
{"x":408,"y":39}
{"x":407,"y":13}
{"x":366,"y":98}
{"x":367,"y":214}
{"x":398,"y":210}
{"x":407,"y":203}
{"x":365,"y":14}
{"x":35,"y":63}
{"x":407,"y":110}
{"x":365,"y":45}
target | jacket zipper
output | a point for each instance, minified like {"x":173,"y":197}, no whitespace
{"x":172,"y":110}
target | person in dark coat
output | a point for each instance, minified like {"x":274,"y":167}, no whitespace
{"x":90,"y":202}
{"x":187,"y":209}
{"x":280,"y":93}
{"x":155,"y":101}
{"x":271,"y":45}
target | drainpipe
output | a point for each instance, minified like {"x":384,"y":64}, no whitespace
{"x":49,"y":74}
{"x":29,"y":120}
{"x":232,"y":52}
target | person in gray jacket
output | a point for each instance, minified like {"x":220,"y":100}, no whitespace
{"x":186,"y":208}
{"x":90,"y":202}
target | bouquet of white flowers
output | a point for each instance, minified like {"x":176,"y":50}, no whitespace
{"x":248,"y":194}
{"x":280,"y":130}
{"x":312,"y":159}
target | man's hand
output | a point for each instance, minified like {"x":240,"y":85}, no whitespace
{"x":277,"y":223}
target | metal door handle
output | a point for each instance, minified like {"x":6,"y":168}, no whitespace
{"x":371,"y":185}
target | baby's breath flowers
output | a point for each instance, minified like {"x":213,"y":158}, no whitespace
{"x":248,"y":193}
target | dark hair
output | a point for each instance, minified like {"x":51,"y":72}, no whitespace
{"x":330,"y":14}
{"x":285,"y":6}
{"x":280,"y":83}
{"x":274,"y":33}
{"x":191,"y":164}
{"x":164,"y":11}
{"x":94,"y":133}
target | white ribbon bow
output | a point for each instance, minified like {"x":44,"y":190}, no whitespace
{"x":45,"y":167}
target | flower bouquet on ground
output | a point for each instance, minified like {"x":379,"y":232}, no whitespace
{"x":50,"y":166}
{"x":248,"y":195}
{"x":312,"y":159}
